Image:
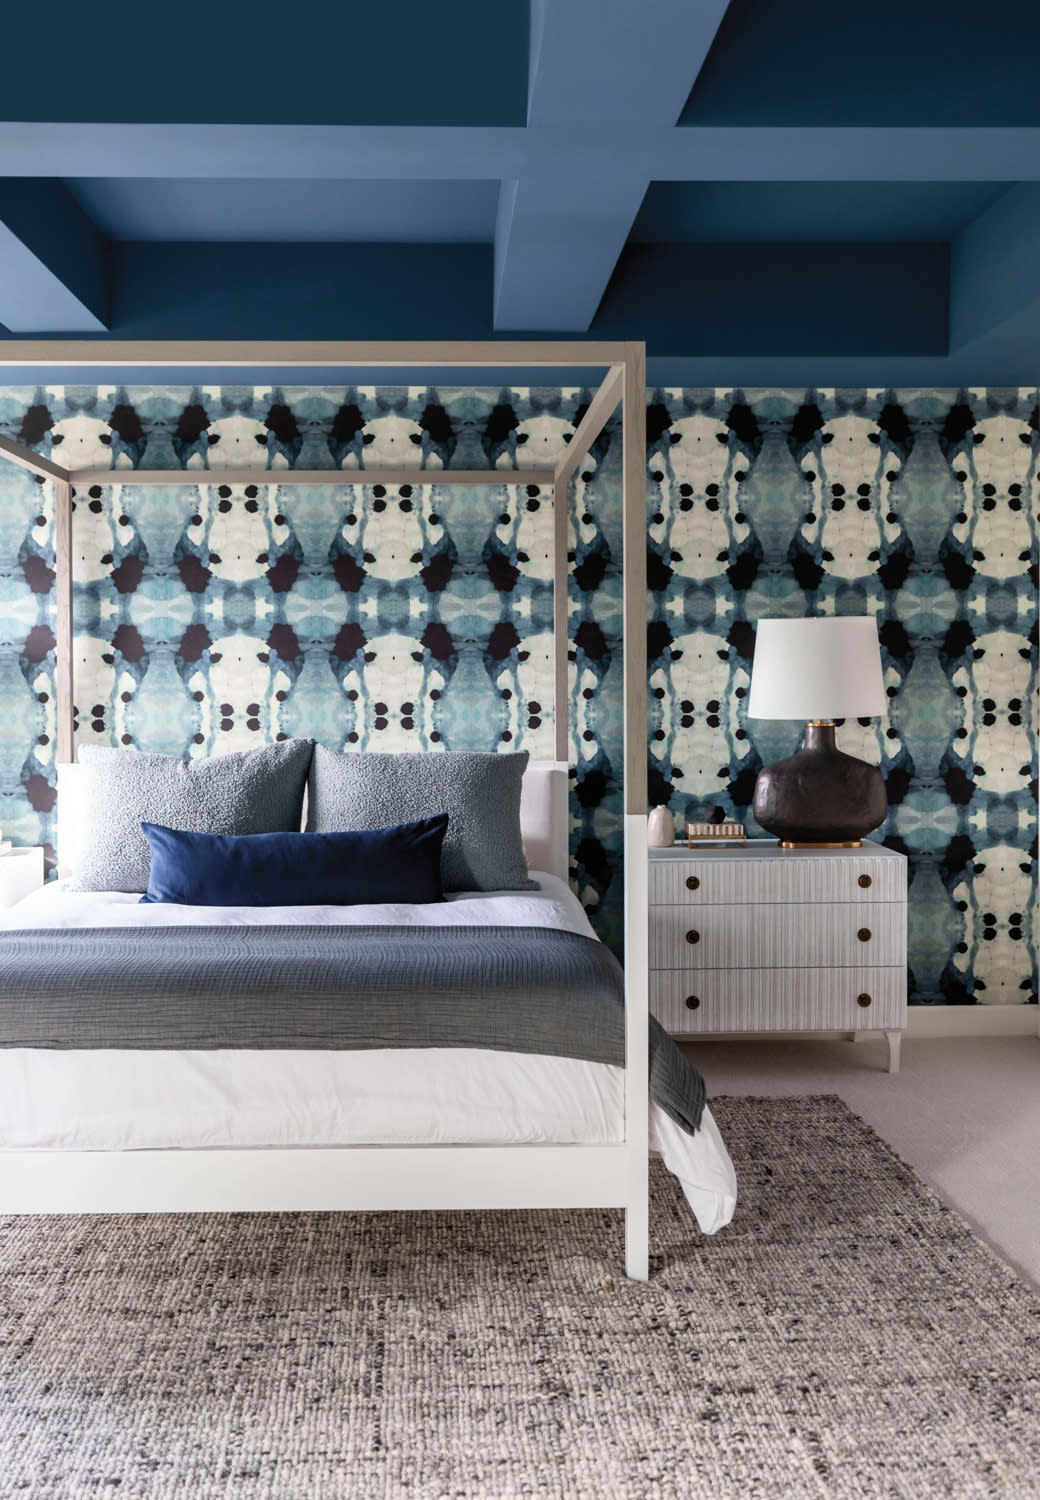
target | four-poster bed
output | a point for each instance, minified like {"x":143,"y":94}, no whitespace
{"x":391,"y":1177}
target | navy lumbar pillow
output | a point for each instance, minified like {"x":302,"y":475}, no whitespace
{"x":297,"y":869}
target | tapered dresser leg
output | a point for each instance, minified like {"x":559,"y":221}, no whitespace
{"x":894,"y":1038}
{"x":637,"y":1241}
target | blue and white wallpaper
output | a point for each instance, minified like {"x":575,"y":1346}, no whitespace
{"x":918,"y":507}
{"x":412,"y":616}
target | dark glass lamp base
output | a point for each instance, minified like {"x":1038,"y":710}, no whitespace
{"x":820,"y":798}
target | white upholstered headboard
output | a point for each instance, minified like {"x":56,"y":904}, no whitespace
{"x":70,"y":818}
{"x":543,"y":816}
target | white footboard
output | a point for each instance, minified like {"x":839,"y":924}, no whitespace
{"x":314,"y":1179}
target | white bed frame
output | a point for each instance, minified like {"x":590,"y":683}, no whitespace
{"x":392,"y":1177}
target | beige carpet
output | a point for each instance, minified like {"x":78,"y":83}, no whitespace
{"x":963,"y":1111}
{"x":846,"y":1337}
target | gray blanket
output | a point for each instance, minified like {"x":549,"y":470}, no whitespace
{"x":512,"y":989}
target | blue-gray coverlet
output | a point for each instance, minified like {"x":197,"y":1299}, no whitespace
{"x":512,"y":989}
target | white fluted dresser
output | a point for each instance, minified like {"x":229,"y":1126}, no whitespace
{"x":770,"y":940}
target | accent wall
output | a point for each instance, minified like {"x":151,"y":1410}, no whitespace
{"x":417,"y":616}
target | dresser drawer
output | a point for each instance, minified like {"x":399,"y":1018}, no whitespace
{"x":824,"y":935}
{"x":718,"y":1000}
{"x":738,"y":879}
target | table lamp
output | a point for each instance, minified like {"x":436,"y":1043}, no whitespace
{"x":818,"y":670}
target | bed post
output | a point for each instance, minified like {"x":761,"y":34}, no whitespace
{"x":561,"y":621}
{"x":50,"y":472}
{"x":63,"y":620}
{"x":598,"y":413}
{"x":637,"y":957}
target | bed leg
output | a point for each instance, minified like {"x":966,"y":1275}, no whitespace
{"x":637,"y":1241}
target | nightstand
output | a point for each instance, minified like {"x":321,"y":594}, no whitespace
{"x":21,"y":873}
{"x":770,"y":940}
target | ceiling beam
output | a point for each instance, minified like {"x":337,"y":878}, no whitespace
{"x":248,"y":354}
{"x":557,"y":242}
{"x":719,"y":300}
{"x":995,"y":270}
{"x":607,"y":62}
{"x":53,"y":261}
{"x":560,"y":228}
{"x":845,"y":154}
{"x":984,"y":364}
{"x":631,"y":145}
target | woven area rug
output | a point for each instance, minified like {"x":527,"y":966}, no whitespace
{"x":847,"y":1336}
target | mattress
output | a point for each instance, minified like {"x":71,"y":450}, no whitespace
{"x":86,"y":1099}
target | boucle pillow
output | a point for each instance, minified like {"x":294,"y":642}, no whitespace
{"x":483,"y":849}
{"x":245,"y":791}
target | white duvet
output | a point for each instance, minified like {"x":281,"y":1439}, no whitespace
{"x":108,"y":1099}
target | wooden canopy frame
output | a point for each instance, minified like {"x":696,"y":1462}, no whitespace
{"x":389,"y":1177}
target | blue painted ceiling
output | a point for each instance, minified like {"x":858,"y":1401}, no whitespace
{"x":406,"y":63}
{"x":234,"y":210}
{"x":763,"y":193}
{"x":893,"y":62}
{"x":806,"y":213}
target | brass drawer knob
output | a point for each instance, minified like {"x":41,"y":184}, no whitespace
{"x":864,"y":881}
{"x":692,"y":883}
{"x":863,"y":1001}
{"x":693,"y":1002}
{"x":864,"y":934}
{"x":693,"y":937}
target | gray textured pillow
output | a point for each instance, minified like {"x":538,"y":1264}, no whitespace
{"x":482,"y":851}
{"x":245,"y":791}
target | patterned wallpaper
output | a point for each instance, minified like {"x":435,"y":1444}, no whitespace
{"x":211,"y":617}
{"x":919,"y":507}
{"x":413,"y":616}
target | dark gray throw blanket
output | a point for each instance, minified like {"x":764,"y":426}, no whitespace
{"x":512,"y":989}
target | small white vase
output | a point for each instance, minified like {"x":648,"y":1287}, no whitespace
{"x":660,"y":829}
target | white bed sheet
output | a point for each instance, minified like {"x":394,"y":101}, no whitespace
{"x":107,"y":1099}
{"x":58,"y":905}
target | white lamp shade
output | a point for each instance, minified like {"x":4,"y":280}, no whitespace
{"x":817,"y":669}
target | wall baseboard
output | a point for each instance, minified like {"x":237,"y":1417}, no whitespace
{"x":973,"y":1020}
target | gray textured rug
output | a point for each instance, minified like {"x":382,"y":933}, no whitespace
{"x":846,"y":1337}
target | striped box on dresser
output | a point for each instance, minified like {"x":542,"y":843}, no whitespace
{"x":765,"y":939}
